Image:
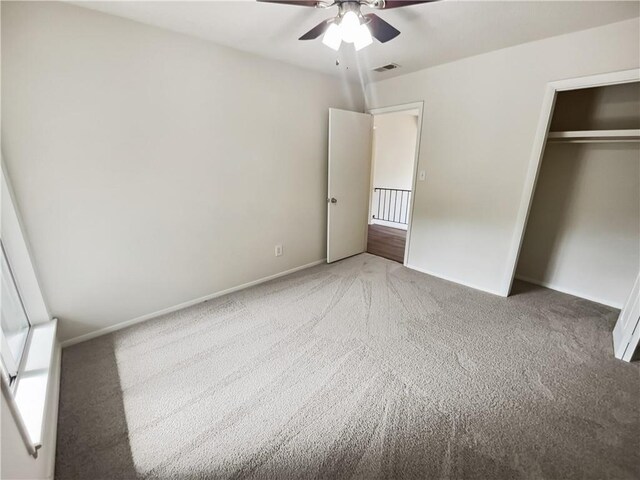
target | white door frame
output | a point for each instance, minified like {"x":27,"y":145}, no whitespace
{"x":548,"y":104}
{"x":401,"y":108}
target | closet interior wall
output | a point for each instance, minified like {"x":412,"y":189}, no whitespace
{"x":583,"y":232}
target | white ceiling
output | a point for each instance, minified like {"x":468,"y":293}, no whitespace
{"x":432,"y":33}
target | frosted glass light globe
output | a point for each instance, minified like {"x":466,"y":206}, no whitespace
{"x":349,"y":27}
{"x":333,"y":37}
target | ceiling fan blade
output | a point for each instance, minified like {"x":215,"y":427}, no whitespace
{"x":316,"y":31}
{"x":300,"y":3}
{"x":403,"y":3}
{"x":380,"y":29}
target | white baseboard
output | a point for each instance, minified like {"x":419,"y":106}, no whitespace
{"x":455,"y":280}
{"x":175,"y":308}
{"x":568,"y":291}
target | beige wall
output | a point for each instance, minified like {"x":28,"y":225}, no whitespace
{"x":394,"y":150}
{"x":480,"y":119}
{"x":583,"y":234}
{"x":152,"y":168}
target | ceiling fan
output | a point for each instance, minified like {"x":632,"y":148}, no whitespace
{"x":350,"y":25}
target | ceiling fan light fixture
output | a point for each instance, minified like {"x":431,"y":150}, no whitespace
{"x":333,"y":37}
{"x":349,"y":26}
{"x":363,"y":38}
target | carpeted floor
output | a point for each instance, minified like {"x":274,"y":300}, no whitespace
{"x":360,"y":369}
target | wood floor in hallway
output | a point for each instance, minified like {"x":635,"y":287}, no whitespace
{"x":387,"y":242}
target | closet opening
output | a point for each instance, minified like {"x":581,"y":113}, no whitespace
{"x":393,"y":159}
{"x":582,"y":235}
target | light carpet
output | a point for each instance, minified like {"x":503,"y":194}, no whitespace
{"x":360,"y":369}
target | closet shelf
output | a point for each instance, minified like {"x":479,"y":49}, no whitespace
{"x":595,"y":136}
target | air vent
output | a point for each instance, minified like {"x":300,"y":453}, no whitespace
{"x":385,"y":68}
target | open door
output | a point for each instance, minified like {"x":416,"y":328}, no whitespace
{"x":626,"y":333}
{"x":349,"y":182}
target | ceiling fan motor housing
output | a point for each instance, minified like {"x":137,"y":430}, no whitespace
{"x":378,"y":4}
{"x":349,"y":6}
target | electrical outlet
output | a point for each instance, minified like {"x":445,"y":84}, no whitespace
{"x":278,"y":250}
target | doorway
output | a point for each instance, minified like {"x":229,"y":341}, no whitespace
{"x":353,"y":198}
{"x":393,"y":158}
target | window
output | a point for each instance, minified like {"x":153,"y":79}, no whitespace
{"x":15,"y":324}
{"x":28,"y":352}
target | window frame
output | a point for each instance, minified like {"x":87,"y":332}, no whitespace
{"x":30,"y":393}
{"x":10,"y":364}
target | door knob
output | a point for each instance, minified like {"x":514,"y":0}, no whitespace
{"x":334,"y":200}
